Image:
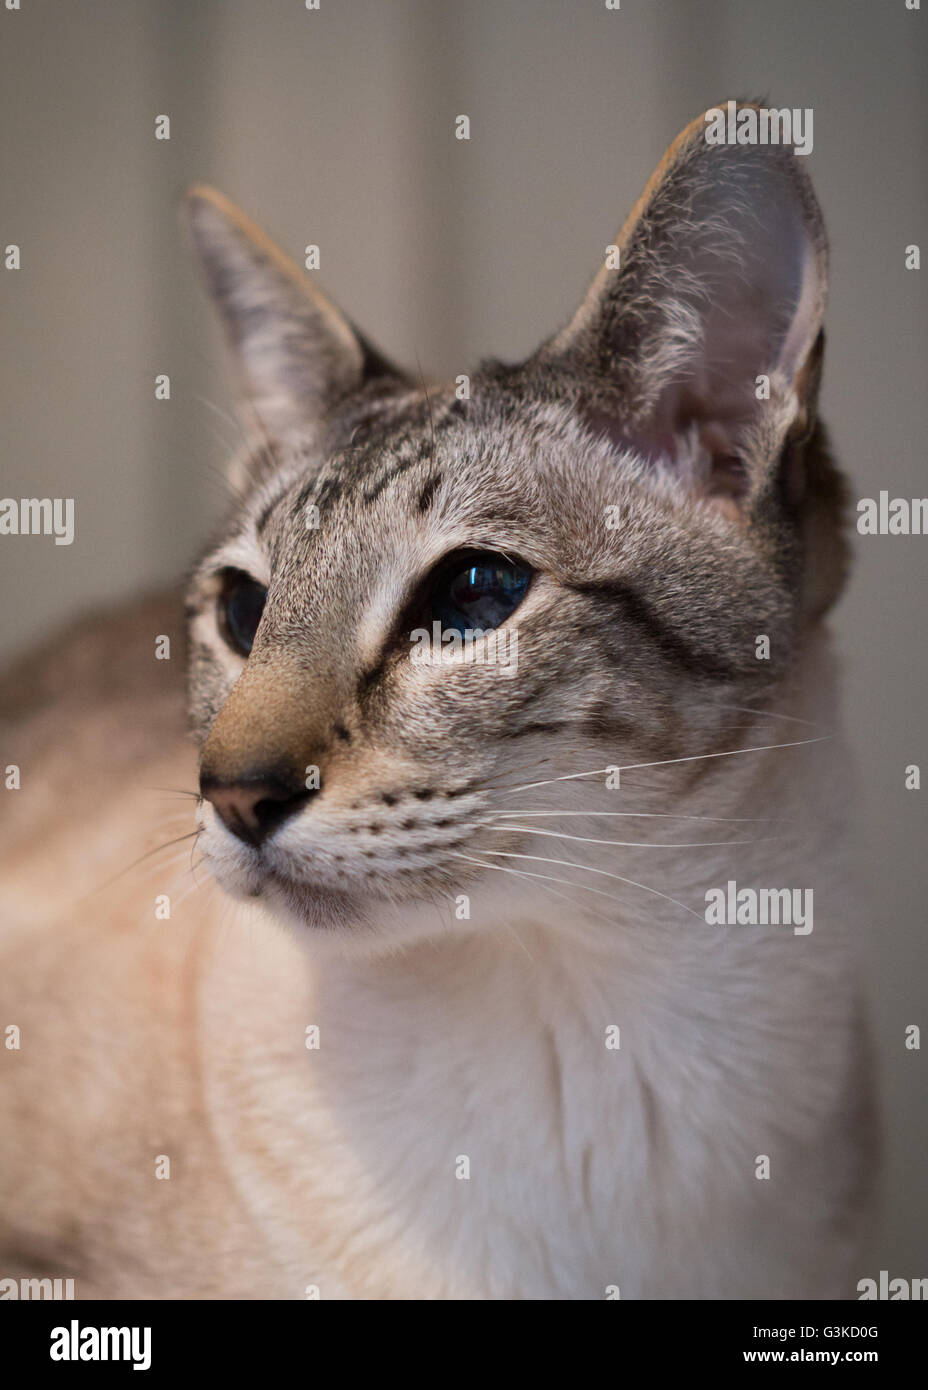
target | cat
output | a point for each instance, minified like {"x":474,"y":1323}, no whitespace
{"x":439,"y":1011}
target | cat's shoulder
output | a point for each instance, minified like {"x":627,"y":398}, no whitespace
{"x":94,"y":701}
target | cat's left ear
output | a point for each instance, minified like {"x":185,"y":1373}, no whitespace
{"x":699,"y":343}
{"x":297,"y":355}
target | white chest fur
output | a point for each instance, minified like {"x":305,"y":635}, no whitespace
{"x":467,"y":1126}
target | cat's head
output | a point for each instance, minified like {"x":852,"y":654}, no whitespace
{"x":622,"y":515}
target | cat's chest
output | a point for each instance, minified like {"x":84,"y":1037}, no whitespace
{"x":456,"y":1143}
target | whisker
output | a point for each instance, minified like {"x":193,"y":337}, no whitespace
{"x":224,"y":415}
{"x":496,"y":779}
{"x":227,"y":448}
{"x":564,"y":897}
{"x":193,"y":849}
{"x":185,"y":885}
{"x":536,"y":763}
{"x":185,"y":896}
{"x":428,"y":402}
{"x":644,"y":815}
{"x":512,"y":932}
{"x":774,"y":714}
{"x":159,"y":849}
{"x":665,"y":762}
{"x":548,"y":878}
{"x":173,"y":861}
{"x":625,"y":844}
{"x":587,"y":868}
{"x":267,"y":443}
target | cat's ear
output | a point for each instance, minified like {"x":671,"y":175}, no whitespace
{"x":297,"y":355}
{"x":699,"y":343}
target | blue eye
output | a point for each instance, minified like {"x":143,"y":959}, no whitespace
{"x":481,"y":593}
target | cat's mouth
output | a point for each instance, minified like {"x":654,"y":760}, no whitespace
{"x":319,"y":889}
{"x":330,"y":871}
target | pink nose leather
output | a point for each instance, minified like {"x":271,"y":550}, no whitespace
{"x":254,"y":807}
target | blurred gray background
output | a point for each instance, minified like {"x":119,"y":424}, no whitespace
{"x":337,"y":127}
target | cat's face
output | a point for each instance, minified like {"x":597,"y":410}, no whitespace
{"x":596,"y":538}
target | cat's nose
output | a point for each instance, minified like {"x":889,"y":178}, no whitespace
{"x":253,"y":807}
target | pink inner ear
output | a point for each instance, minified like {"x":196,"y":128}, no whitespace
{"x":653,"y":446}
{"x":702,"y":453}
{"x":739,"y":295}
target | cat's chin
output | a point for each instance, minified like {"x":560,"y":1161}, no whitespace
{"x":296,"y":905}
{"x":356,"y":925}
{"x":309,"y":908}
{"x":313,"y":913}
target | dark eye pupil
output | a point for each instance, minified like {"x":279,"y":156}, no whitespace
{"x":481,"y":594}
{"x":241,"y":604}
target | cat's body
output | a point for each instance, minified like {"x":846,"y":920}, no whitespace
{"x":485,"y":910}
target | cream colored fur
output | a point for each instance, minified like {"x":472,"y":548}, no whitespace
{"x":336,"y":1168}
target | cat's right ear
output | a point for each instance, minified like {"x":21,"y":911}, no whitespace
{"x":297,"y":355}
{"x":699,"y":343}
